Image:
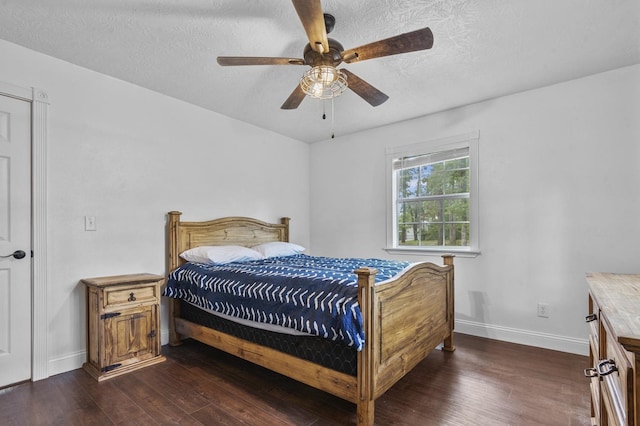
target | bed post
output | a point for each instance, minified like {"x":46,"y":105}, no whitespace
{"x":285,"y":222}
{"x":367,"y":356}
{"x":174,"y":262}
{"x":448,"y":342}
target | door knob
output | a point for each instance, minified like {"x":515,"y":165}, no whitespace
{"x":18,"y":254}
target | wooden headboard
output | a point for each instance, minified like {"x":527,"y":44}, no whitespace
{"x":239,"y":231}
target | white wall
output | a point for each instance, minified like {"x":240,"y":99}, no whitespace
{"x":559,"y":196}
{"x":128,"y":156}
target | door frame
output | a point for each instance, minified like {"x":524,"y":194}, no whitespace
{"x":39,"y":100}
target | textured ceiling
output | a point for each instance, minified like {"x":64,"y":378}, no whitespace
{"x":482,"y":49}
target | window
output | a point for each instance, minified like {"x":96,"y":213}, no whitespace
{"x":433,"y":196}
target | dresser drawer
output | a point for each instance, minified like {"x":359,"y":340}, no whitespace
{"x":594,"y":384}
{"x":594,"y":321}
{"x":123,"y":296}
{"x":615,"y":386}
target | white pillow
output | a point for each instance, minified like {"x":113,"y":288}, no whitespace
{"x":278,"y":248}
{"x":220,"y":254}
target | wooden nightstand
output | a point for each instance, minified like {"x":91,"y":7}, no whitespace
{"x":123,"y":324}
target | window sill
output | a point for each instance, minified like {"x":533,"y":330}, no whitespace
{"x":433,"y":251}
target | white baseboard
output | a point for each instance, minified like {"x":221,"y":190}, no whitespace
{"x":524,"y":337}
{"x":73,"y":361}
{"x":66,"y":363}
{"x":164,"y":336}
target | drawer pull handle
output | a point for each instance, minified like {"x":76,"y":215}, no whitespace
{"x":591,"y":317}
{"x":132,"y":298}
{"x":606,"y":367}
{"x":590,"y":372}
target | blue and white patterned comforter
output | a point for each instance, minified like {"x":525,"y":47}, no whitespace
{"x":310,"y":294}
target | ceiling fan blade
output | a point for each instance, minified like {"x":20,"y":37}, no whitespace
{"x":228,"y":61}
{"x":403,"y":43}
{"x":294,"y":99}
{"x":312,"y":18}
{"x":364,"y":89}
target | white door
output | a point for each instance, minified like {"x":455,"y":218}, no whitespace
{"x":15,"y":236}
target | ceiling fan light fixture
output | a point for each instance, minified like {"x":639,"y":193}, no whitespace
{"x":323,"y":82}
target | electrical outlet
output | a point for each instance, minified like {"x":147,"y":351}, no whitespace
{"x":543,"y":310}
{"x":90,"y":223}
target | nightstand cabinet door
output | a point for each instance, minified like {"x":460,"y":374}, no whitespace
{"x":131,"y":337}
{"x":123,"y":324}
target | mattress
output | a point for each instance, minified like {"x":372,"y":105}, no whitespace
{"x":310,"y":294}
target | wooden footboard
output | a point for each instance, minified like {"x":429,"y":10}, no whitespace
{"x":404,"y":318}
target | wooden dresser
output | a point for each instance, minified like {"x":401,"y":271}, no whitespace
{"x":123,"y":324}
{"x":614,"y":340}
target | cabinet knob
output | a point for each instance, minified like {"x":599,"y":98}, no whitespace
{"x":152,"y":334}
{"x":591,"y":318}
{"x":132,"y":298}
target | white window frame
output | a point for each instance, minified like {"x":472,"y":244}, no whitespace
{"x":467,"y":140}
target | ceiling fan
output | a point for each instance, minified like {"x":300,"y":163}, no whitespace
{"x":323,"y":55}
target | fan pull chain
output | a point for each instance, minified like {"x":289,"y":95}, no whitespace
{"x":333,"y":116}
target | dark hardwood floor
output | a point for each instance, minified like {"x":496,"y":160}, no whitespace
{"x":484,"y":382}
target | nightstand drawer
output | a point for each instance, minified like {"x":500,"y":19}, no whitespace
{"x":123,"y":296}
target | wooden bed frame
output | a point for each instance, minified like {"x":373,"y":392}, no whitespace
{"x":404,"y":319}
